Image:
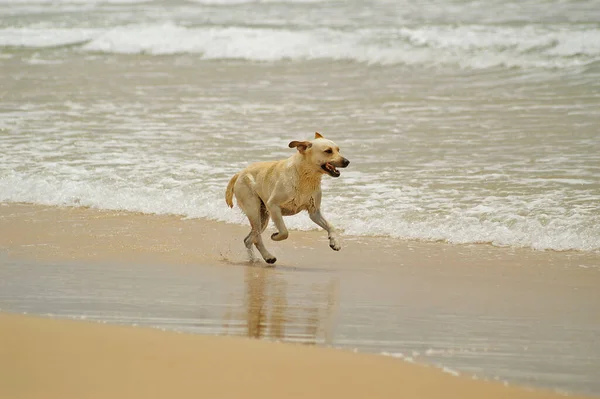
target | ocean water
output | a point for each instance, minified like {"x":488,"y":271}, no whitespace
{"x":465,"y":121}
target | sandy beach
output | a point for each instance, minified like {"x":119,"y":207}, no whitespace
{"x":525,"y":317}
{"x":44,"y":358}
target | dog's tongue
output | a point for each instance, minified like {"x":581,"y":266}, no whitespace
{"x":332,"y":169}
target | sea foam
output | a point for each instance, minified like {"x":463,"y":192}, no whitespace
{"x":501,"y":225}
{"x":472,"y":46}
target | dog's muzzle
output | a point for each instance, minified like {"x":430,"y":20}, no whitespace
{"x":331,"y":168}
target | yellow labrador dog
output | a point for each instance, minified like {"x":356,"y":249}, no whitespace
{"x":281,"y":188}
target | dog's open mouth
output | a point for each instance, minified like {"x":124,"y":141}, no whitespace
{"x":330,"y":169}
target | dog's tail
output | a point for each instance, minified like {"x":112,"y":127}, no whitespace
{"x":229,"y":192}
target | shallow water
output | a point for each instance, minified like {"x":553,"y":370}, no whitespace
{"x":544,"y":335}
{"x":465,"y":122}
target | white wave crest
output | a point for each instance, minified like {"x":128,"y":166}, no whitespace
{"x":476,"y":47}
{"x":40,"y":38}
{"x":467,"y":46}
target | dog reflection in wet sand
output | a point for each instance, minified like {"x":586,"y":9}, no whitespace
{"x":282,"y":188}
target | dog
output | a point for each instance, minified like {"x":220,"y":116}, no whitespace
{"x":282,"y":188}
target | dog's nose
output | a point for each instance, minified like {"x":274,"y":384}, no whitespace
{"x":345,"y":162}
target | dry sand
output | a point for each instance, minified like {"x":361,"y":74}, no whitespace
{"x":46,"y":358}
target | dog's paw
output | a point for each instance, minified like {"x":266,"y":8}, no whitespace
{"x":279,"y":236}
{"x":271,"y":260}
{"x":334,"y":245}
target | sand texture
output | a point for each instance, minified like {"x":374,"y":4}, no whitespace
{"x":44,"y":358}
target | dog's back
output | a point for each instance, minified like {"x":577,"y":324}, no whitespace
{"x":262,"y":177}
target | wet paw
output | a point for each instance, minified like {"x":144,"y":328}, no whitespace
{"x":271,"y":260}
{"x":279,"y":236}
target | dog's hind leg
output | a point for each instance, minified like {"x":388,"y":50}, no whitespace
{"x":246,"y":199}
{"x":263,"y":251}
{"x":248,"y":243}
{"x":255,"y":210}
{"x":264,"y":222}
{"x":264,"y":216}
{"x":258,"y":226}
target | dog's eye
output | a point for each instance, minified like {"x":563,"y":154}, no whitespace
{"x":329,"y":151}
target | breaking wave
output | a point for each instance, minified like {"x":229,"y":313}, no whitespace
{"x":472,"y":47}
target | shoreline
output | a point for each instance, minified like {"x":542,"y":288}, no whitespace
{"x":121,"y":235}
{"x":50,"y":358}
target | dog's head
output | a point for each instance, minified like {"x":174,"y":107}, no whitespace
{"x":323,"y":154}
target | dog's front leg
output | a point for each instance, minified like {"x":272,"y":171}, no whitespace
{"x":316,"y":217}
{"x":277,"y":217}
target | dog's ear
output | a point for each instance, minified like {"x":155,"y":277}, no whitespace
{"x":318,"y":135}
{"x":300,"y":145}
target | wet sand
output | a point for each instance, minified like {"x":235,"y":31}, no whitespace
{"x":44,"y":358}
{"x":527,"y":317}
